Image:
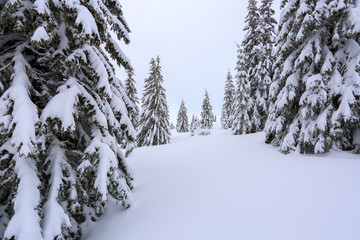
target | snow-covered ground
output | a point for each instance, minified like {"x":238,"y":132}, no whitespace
{"x":227,"y":187}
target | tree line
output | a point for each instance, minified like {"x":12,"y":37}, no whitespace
{"x":301,"y":84}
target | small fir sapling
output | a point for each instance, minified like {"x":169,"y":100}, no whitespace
{"x":207,"y":116}
{"x":182,"y":124}
{"x":227,"y":108}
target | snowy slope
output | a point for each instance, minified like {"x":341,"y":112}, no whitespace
{"x":236,"y":188}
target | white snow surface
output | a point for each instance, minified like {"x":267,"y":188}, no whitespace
{"x":223,"y":186}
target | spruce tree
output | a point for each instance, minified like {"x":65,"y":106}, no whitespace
{"x":131,"y":92}
{"x":133,"y":108}
{"x":345,"y":80}
{"x":266,"y":29}
{"x":194,"y":125}
{"x":227,"y":108}
{"x":182,"y":124}
{"x":252,"y":52}
{"x":257,"y":48}
{"x":241,"y":119}
{"x":154,"y":125}
{"x":206,"y":115}
{"x":316,"y":82}
{"x":21,"y":81}
{"x":62,"y":162}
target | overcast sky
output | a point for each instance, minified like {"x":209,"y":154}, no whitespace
{"x":195,"y":40}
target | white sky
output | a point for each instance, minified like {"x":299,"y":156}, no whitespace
{"x":195,"y":40}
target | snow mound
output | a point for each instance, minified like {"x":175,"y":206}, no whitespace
{"x":223,"y":186}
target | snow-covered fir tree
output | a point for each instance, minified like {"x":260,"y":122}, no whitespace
{"x":260,"y":89}
{"x":61,"y":163}
{"x":317,"y":77}
{"x":182,"y":124}
{"x":207,"y":115}
{"x":227,"y":108}
{"x":241,"y":119}
{"x":172,"y":126}
{"x":20,"y":180}
{"x":131,"y":92}
{"x":256,"y":49}
{"x":133,"y":109}
{"x":345,"y":81}
{"x":252,"y":52}
{"x":194,"y":126}
{"x":154,"y":125}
